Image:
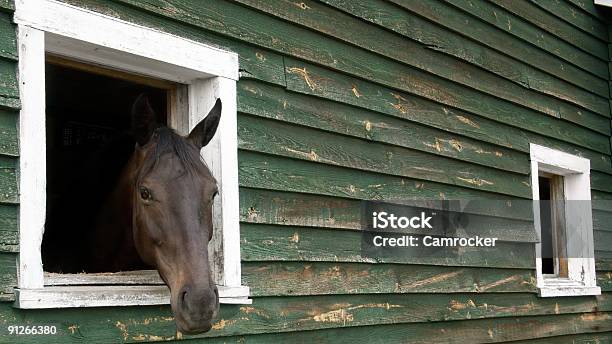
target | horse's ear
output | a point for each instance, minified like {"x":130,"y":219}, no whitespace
{"x":205,"y":130}
{"x":144,"y":119}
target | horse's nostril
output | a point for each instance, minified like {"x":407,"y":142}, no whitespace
{"x":184,"y":297}
{"x":198,"y":302}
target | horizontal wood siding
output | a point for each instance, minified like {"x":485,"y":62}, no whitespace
{"x":9,"y":153}
{"x":342,"y":101}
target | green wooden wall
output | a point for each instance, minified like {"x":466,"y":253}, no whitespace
{"x":341,"y":101}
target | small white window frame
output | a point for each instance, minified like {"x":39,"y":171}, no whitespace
{"x":207,"y":73}
{"x":581,"y":279}
{"x":607,"y":3}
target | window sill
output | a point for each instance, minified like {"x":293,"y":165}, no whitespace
{"x":555,"y":287}
{"x":117,"y":295}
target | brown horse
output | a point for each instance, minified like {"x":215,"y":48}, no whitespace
{"x":158,"y":213}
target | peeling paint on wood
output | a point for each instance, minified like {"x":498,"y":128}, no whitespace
{"x":288,"y":140}
{"x":265,"y":101}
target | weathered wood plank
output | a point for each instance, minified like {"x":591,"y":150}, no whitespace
{"x":295,"y":209}
{"x":283,"y":243}
{"x":8,"y":37}
{"x":465,"y":24}
{"x":601,"y":181}
{"x":9,"y":241}
{"x":236,"y":22}
{"x":8,"y":218}
{"x":288,"y":140}
{"x":507,"y":22}
{"x":340,"y":310}
{"x":589,"y":338}
{"x":603,"y":242}
{"x":53,"y":297}
{"x":9,"y":235}
{"x":140,"y":277}
{"x":602,"y":264}
{"x":602,"y":219}
{"x":552,"y":25}
{"x":589,"y":7}
{"x":459,"y":46}
{"x":260,"y":64}
{"x":548,"y":329}
{"x":601,"y":200}
{"x":9,"y":192}
{"x":267,"y":101}
{"x":275,"y":173}
{"x":9,"y":248}
{"x":322,"y":278}
{"x":8,"y":82}
{"x":423,"y":313}
{"x":604,"y":280}
{"x":8,"y":273}
{"x":579,"y":19}
{"x":7,"y":5}
{"x":306,"y":78}
{"x":598,"y":204}
{"x":255,"y":62}
{"x":378,"y":40}
{"x":604,"y":254}
{"x":9,"y":102}
{"x":9,"y":138}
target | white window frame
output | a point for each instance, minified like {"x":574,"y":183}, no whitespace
{"x":207,"y":73}
{"x":581,"y":279}
{"x":607,"y":3}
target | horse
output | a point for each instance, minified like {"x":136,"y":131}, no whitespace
{"x":159,"y":214}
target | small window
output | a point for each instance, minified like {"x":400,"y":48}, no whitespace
{"x":87,"y":139}
{"x":565,"y":263}
{"x":552,"y":225}
{"x":78,"y":72}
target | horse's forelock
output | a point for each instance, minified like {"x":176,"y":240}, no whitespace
{"x":167,"y":140}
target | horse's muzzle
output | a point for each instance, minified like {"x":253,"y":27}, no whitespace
{"x":196,"y":309}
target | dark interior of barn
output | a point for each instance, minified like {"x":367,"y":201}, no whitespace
{"x":88,"y":144}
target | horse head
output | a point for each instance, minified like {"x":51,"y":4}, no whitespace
{"x":172,"y":222}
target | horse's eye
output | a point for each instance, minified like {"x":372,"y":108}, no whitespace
{"x":145,"y":194}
